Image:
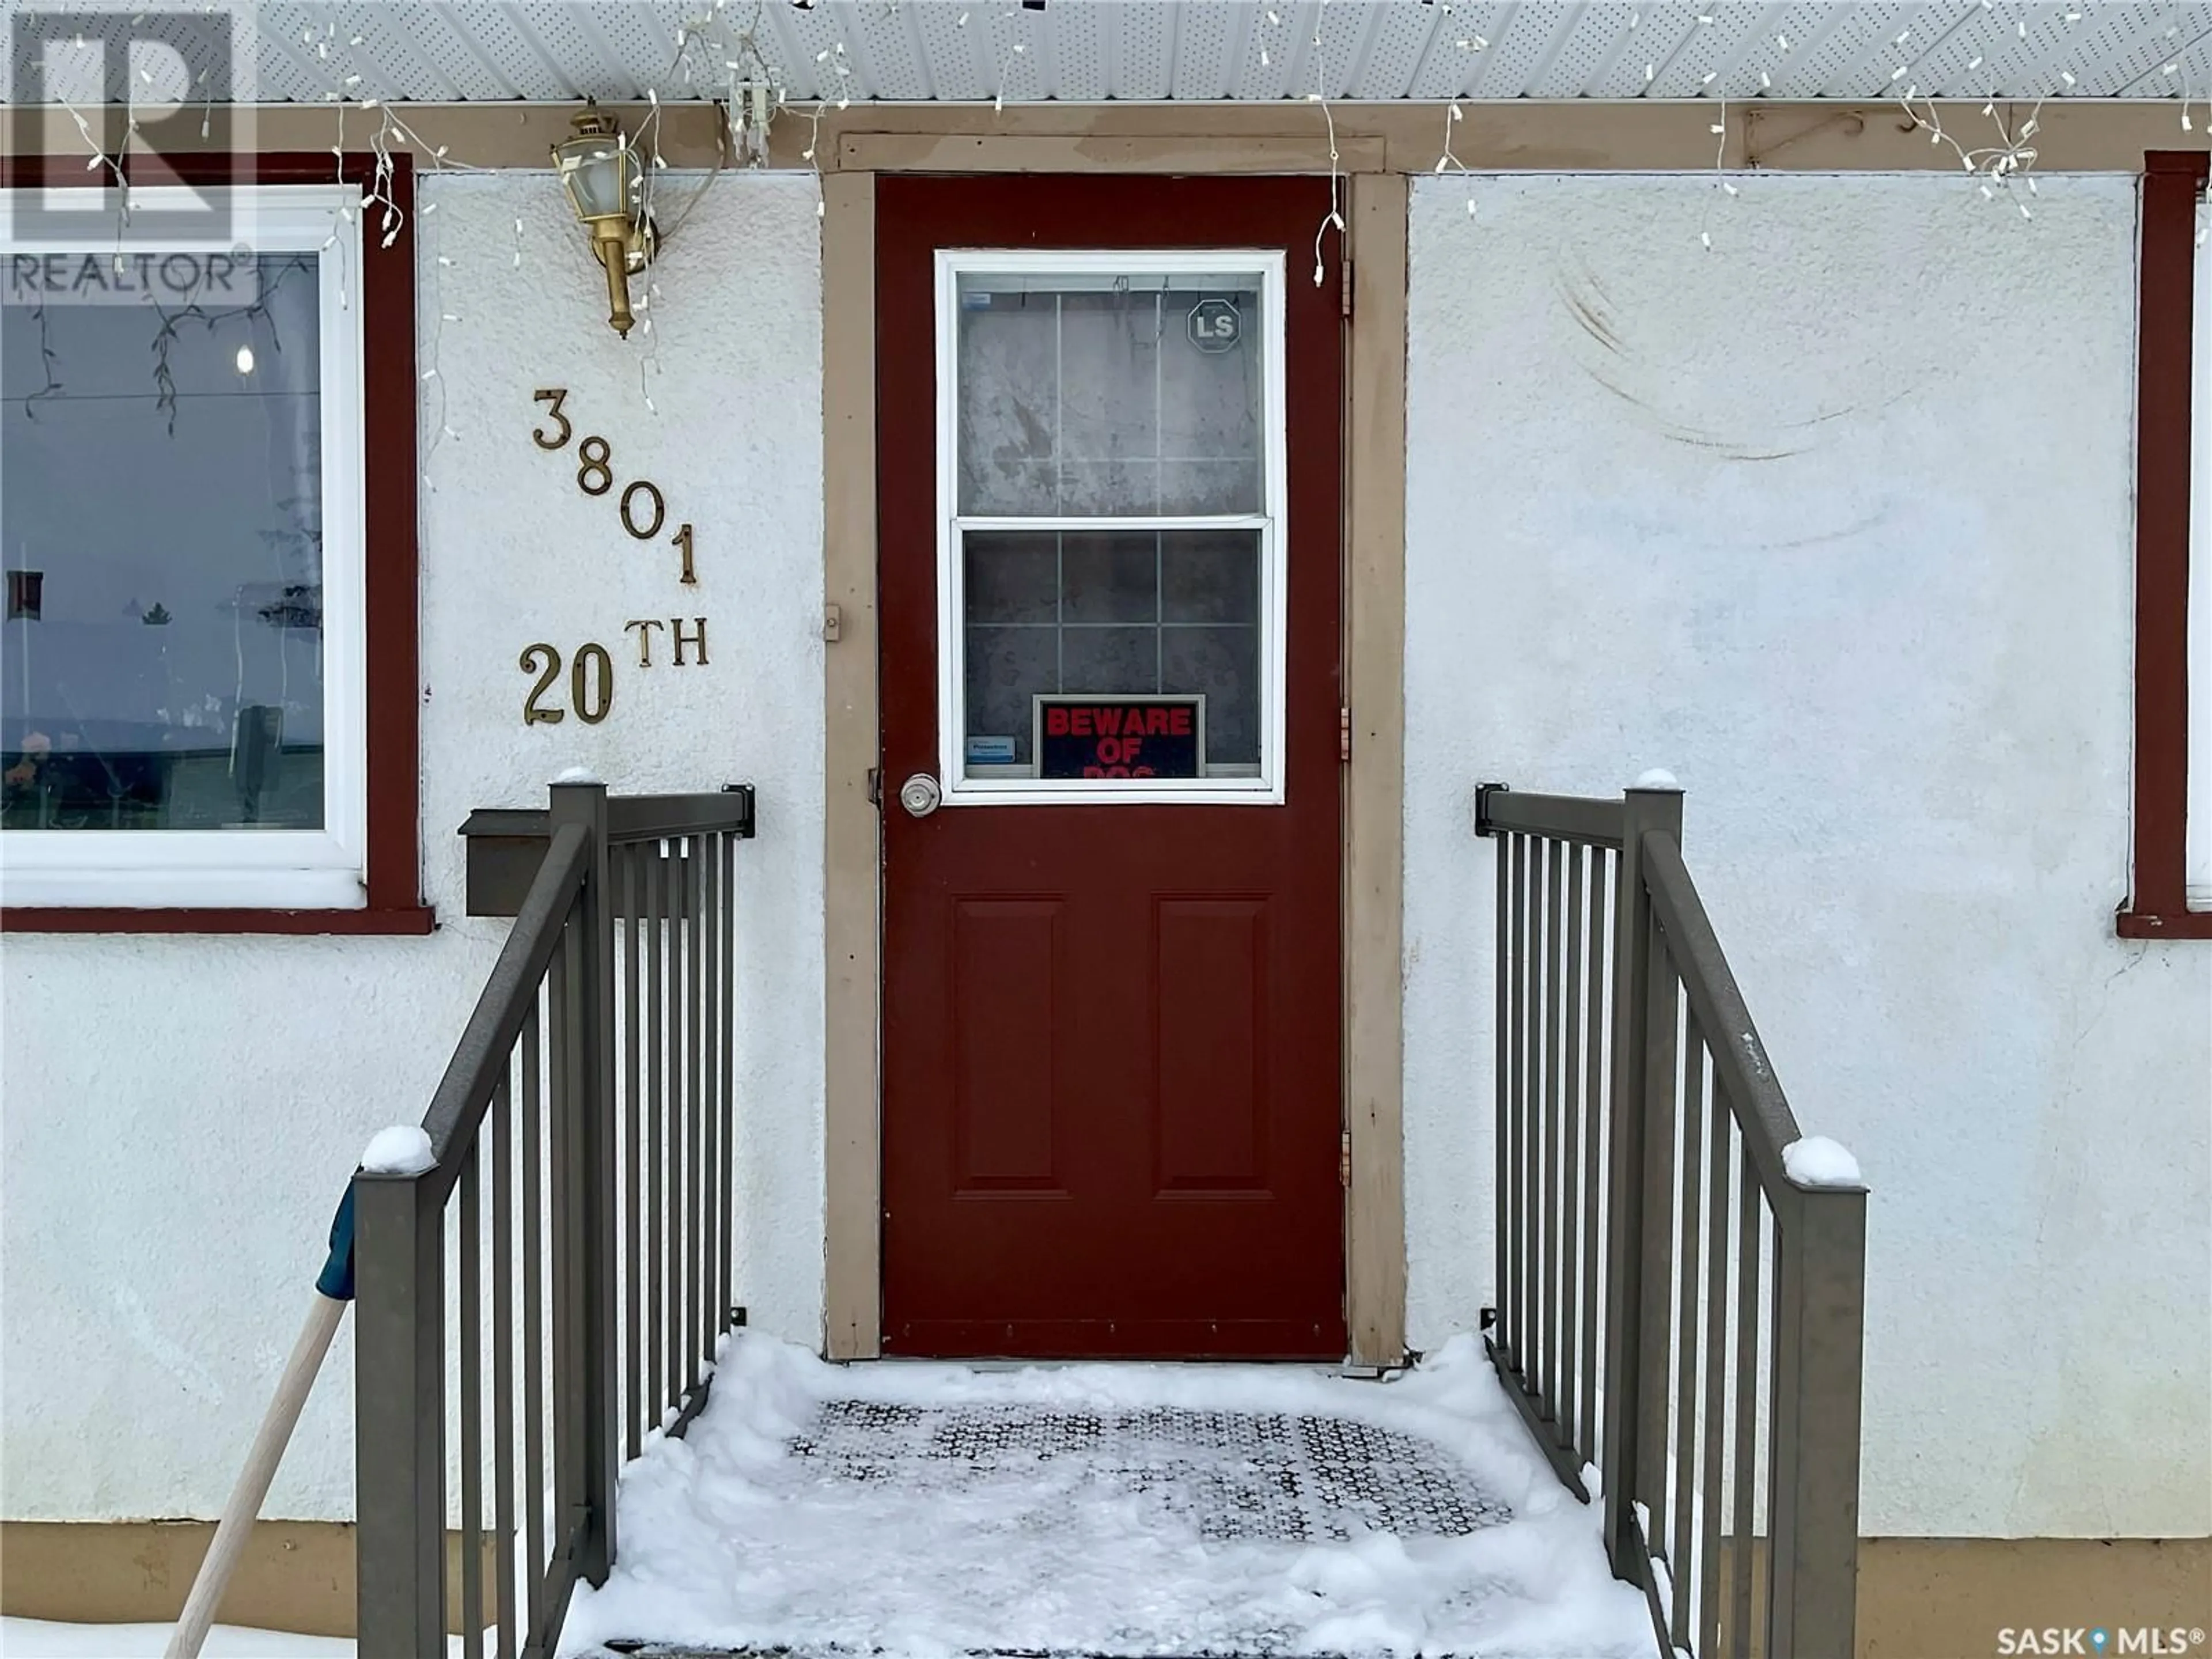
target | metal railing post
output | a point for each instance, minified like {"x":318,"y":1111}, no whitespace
{"x":1645,"y":809}
{"x":400,"y":1417}
{"x":594,"y":1171}
{"x":1819,"y":1303}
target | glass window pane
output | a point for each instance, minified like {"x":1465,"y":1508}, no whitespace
{"x":1209,"y":576}
{"x":1109,"y":659}
{"x":1013,"y":578}
{"x":1111,"y":578}
{"x":1084,"y":613}
{"x":1223,"y":664}
{"x":1108,"y":442}
{"x":1008,"y":401}
{"x":1212,"y":372}
{"x":1006,"y":667}
{"x":160,"y":524}
{"x":1109,"y":396}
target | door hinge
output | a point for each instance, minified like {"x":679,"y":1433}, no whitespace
{"x":875,"y":787}
{"x":1343,"y":1160}
{"x":1347,"y":288}
{"x":1344,"y":734}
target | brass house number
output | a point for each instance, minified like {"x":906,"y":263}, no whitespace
{"x":644,"y":513}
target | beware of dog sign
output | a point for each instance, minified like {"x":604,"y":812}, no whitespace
{"x":1135,"y":737}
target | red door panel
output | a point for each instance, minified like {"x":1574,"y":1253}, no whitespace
{"x":1111,"y":1099}
{"x":1006,"y":957}
{"x":1210,"y":1091}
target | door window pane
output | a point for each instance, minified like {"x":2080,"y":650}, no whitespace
{"x":1086,"y":612}
{"x":1114,"y":396}
{"x":160,"y":524}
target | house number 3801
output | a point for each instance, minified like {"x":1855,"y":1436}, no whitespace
{"x":644,"y":511}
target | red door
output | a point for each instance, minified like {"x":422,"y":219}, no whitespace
{"x":1109,"y":499}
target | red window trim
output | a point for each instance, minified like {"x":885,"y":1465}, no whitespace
{"x":394,"y":868}
{"x":2174,"y":182}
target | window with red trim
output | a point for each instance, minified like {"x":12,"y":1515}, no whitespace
{"x":207,"y":655}
{"x":2169,"y":373}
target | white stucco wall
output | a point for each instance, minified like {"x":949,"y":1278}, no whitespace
{"x":180,"y":1113}
{"x":1834,"y":521}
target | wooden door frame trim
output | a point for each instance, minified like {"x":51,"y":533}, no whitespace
{"x":853,"y":828}
{"x":1375,"y":792}
{"x":1576,"y":135}
{"x":1375,"y":1256}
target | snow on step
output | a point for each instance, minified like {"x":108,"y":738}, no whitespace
{"x":913,"y":1510}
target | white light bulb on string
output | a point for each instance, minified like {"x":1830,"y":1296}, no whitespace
{"x":245,"y":360}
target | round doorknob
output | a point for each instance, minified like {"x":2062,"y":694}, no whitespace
{"x":920,"y":794}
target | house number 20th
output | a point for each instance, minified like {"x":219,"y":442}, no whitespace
{"x":591,"y":684}
{"x":644,"y":511}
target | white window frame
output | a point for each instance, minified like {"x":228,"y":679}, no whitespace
{"x":272,"y":869}
{"x":2197,"y":864}
{"x":1266,"y":789}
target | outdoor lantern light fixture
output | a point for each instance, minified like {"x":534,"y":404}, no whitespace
{"x":599,"y":169}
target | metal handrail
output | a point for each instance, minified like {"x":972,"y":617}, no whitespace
{"x":667,"y":818}
{"x":583,"y":1130}
{"x":480,"y":1060}
{"x":1717,"y":1000}
{"x":1501,"y":810}
{"x":631,"y":817}
{"x":1704,"y":1352}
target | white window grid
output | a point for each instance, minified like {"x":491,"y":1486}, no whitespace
{"x":1266,"y":266}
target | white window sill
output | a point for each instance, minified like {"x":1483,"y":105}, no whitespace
{"x":1116,"y":791}
{"x":166,"y":889}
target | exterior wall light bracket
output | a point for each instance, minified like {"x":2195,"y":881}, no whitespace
{"x":599,"y":168}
